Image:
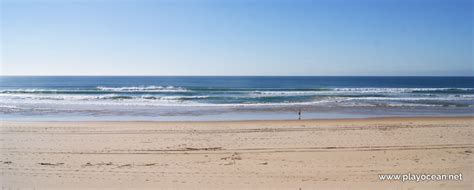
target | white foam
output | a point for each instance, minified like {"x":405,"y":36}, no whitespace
{"x":397,"y":90}
{"x":143,"y":89}
{"x":440,"y":98}
{"x":27,"y":90}
{"x":286,"y":93}
{"x":335,"y":97}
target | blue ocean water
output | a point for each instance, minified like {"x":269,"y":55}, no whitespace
{"x":231,"y":98}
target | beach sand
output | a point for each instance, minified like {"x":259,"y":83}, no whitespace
{"x":307,"y":154}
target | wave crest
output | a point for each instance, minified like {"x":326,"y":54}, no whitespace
{"x":142,"y":89}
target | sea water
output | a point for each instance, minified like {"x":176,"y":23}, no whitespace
{"x":230,"y":98}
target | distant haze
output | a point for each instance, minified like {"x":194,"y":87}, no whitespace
{"x":237,"y":37}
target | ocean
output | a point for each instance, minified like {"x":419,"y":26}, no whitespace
{"x":188,"y":98}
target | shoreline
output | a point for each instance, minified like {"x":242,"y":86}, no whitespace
{"x":285,"y":154}
{"x":441,"y":117}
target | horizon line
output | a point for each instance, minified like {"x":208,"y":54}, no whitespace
{"x":236,"y":75}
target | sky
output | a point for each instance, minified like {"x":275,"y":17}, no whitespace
{"x":237,"y":37}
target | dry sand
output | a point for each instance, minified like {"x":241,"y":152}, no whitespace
{"x":313,"y":154}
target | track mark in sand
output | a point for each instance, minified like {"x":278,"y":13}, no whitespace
{"x":232,"y":158}
{"x":50,"y":164}
{"x":151,"y":164}
{"x":197,"y":149}
{"x":125,"y":165}
{"x":98,"y":164}
{"x":7,"y":162}
{"x":212,"y":131}
{"x":220,"y":150}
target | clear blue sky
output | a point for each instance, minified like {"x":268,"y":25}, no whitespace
{"x":281,"y":37}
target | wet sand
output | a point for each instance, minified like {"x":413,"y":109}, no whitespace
{"x":308,"y":154}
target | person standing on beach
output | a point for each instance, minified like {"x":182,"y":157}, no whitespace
{"x":299,"y":114}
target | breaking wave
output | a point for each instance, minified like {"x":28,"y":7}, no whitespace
{"x":142,"y":89}
{"x":172,"y":95}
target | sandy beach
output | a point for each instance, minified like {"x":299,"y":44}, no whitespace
{"x":307,"y":154}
